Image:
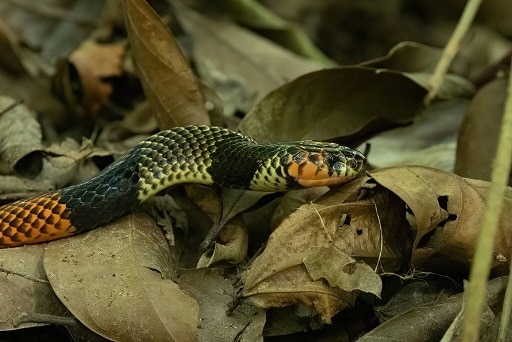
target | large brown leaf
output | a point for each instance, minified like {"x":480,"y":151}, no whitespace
{"x":115,"y":280}
{"x":327,"y":104}
{"x":168,"y":82}
{"x":25,"y":292}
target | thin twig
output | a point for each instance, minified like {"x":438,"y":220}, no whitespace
{"x":507,"y":310}
{"x":451,"y":49}
{"x":26,"y":276}
{"x":381,"y":237}
{"x":13,"y":105}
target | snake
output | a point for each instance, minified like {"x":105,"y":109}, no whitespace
{"x":206,"y":155}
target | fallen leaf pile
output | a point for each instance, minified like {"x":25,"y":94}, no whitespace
{"x":384,"y":257}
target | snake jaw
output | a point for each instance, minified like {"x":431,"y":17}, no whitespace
{"x":325,"y":167}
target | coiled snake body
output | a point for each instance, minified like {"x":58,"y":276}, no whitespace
{"x":192,"y":154}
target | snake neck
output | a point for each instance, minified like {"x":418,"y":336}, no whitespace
{"x":110,"y":195}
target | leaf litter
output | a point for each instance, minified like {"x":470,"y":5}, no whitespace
{"x":280,"y":264}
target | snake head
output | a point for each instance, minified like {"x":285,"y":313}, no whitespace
{"x":313,"y":163}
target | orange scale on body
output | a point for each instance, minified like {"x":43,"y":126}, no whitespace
{"x":43,"y":219}
{"x":29,"y":218}
{"x":9,"y":217}
{"x":24,"y":228}
{"x":8,"y":231}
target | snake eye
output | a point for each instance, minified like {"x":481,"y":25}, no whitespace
{"x":299,"y":157}
{"x":352,"y":163}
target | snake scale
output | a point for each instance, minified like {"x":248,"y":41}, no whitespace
{"x":191,"y":154}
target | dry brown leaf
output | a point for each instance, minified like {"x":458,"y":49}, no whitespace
{"x":116,"y":281}
{"x":215,"y":296}
{"x":429,"y":322}
{"x":20,"y":138}
{"x":232,"y":248}
{"x":14,"y":187}
{"x":346,"y":101}
{"x":278,"y":277}
{"x":341,"y":271}
{"x":169,"y":84}
{"x":447,"y":211}
{"x":94,"y":62}
{"x":24,"y":289}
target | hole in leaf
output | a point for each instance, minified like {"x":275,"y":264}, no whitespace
{"x":347,"y":220}
{"x":443,"y":202}
{"x":451,"y":217}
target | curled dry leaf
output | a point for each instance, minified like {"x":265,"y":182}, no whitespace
{"x":20,"y":138}
{"x":24,"y":289}
{"x":169,"y":84}
{"x":346,"y":101}
{"x":94,"y":63}
{"x":373,"y":230}
{"x":232,"y":248}
{"x":341,"y":271}
{"x":447,"y":212}
{"x":116,"y":281}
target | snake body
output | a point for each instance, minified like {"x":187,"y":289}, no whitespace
{"x":191,"y":154}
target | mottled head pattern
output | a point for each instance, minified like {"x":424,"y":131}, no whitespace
{"x":313,"y":163}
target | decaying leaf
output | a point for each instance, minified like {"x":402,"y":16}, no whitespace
{"x":215,"y":296}
{"x":20,"y":138}
{"x":372,"y":230}
{"x":116,"y":281}
{"x":94,"y":63}
{"x":341,"y":271}
{"x":168,"y":82}
{"x":233,"y":246}
{"x":447,"y":212}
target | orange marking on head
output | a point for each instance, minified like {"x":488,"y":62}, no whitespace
{"x":19,"y":228}
{"x":311,"y":171}
{"x":308,"y":170}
